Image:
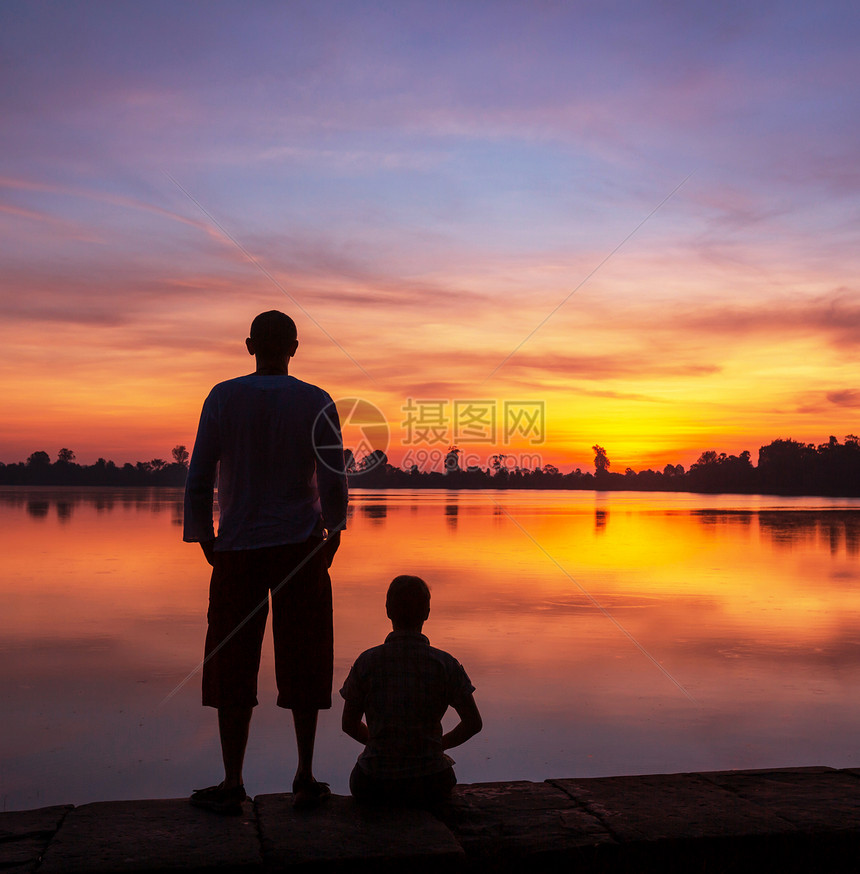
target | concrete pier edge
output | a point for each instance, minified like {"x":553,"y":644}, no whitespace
{"x":785,"y":819}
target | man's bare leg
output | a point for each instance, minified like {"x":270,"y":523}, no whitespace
{"x":305,"y":722}
{"x":233,"y":725}
{"x":307,"y":792}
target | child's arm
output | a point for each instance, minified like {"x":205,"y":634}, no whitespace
{"x":352,"y":725}
{"x":469,"y":725}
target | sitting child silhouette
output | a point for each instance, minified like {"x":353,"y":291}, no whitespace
{"x":403,"y":688}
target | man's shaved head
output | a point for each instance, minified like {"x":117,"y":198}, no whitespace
{"x":273,"y":334}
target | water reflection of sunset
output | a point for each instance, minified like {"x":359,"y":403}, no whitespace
{"x":750,"y":611}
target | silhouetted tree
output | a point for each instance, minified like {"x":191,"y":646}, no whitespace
{"x":65,"y":456}
{"x":786,"y":467}
{"x":349,"y":461}
{"x":498,"y":464}
{"x":837,"y":465}
{"x":373,"y":460}
{"x":722,"y":473}
{"x":601,"y":461}
{"x":452,"y":460}
{"x":180,"y":455}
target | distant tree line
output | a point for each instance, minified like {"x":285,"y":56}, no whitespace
{"x":39,"y":470}
{"x":785,"y":467}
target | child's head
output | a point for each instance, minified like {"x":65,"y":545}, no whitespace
{"x":408,"y":602}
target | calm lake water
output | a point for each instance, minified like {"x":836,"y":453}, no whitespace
{"x":606,"y":634}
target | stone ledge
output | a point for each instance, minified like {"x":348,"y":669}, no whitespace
{"x":152,"y":836}
{"x":25,"y":834}
{"x":341,"y":833}
{"x":671,"y":807}
{"x":812,"y":799}
{"x":791,"y":819}
{"x":523,"y":823}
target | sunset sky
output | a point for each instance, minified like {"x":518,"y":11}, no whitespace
{"x":647,"y":213}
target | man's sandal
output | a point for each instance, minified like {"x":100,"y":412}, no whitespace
{"x":220,"y":800}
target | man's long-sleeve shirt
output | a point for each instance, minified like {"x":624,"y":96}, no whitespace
{"x":273,"y":444}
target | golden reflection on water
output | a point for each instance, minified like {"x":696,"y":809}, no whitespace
{"x":605,"y":634}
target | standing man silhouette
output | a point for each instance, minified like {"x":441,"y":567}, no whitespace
{"x":274,"y":445}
